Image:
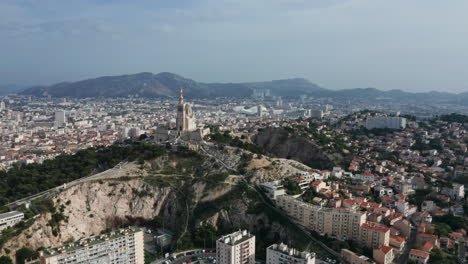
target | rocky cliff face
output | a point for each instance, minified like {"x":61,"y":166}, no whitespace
{"x":93,"y":207}
{"x":284,"y":144}
{"x":167,"y":187}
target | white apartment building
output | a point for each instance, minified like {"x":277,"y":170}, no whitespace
{"x":273,"y":189}
{"x":60,"y":118}
{"x":458,"y":191}
{"x":236,"y":248}
{"x":10,"y":219}
{"x":122,"y":246}
{"x":342,"y":223}
{"x":385,"y":122}
{"x":281,"y":254}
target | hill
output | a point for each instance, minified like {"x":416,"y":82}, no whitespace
{"x":167,"y":84}
{"x":189,"y":192}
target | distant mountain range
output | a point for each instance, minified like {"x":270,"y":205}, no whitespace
{"x":167,"y":85}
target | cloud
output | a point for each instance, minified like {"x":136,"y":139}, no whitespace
{"x":339,"y":43}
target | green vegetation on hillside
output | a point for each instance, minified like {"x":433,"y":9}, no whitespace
{"x":454,"y":118}
{"x":291,"y":186}
{"x":454,"y":222}
{"x":227,"y":139}
{"x":5,"y":260}
{"x":22,"y":181}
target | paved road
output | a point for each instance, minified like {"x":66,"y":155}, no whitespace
{"x":62,"y":187}
{"x":410,"y":243}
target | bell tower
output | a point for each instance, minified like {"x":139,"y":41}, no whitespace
{"x":180,"y":113}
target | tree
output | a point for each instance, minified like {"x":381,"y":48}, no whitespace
{"x":5,"y":260}
{"x":24,"y":254}
{"x":185,"y":241}
{"x":292,"y":187}
{"x":205,"y":236}
{"x":437,"y":256}
{"x":157,"y":221}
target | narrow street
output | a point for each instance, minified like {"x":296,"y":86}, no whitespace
{"x":410,"y":243}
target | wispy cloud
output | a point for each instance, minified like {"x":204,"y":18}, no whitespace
{"x":339,"y":43}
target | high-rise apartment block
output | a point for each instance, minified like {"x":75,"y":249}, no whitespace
{"x":391,"y":122}
{"x":342,"y":223}
{"x":281,"y":254}
{"x":123,"y":246}
{"x":60,"y":118}
{"x":236,"y":248}
{"x":374,"y":235}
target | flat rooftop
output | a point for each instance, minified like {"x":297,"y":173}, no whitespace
{"x":235,"y":238}
{"x":10,"y":214}
{"x":86,"y":242}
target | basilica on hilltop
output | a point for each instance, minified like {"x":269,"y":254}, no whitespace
{"x":186,"y":127}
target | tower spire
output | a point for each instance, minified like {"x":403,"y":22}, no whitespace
{"x":181,"y":96}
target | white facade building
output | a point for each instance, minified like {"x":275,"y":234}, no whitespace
{"x":281,"y":254}
{"x":385,"y":122}
{"x":60,"y":118}
{"x":236,"y":248}
{"x":10,"y":219}
{"x":458,"y":191}
{"x":123,"y":246}
{"x":273,"y":189}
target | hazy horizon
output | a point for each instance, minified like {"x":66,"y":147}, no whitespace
{"x":338,"y":44}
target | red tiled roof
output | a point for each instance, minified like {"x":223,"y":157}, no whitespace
{"x":419,"y":253}
{"x":427,"y":235}
{"x":428,"y":246}
{"x":385,"y":249}
{"x":376,"y":227}
{"x":398,"y":238}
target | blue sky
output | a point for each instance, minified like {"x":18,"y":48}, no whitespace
{"x":414,"y":45}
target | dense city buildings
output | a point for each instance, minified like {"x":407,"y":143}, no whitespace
{"x":236,"y":248}
{"x":382,"y":193}
{"x":122,"y":246}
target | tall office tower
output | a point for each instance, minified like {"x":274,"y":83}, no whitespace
{"x":281,"y":254}
{"x":279,"y":102}
{"x":2,"y":105}
{"x":236,"y":248}
{"x":259,"y":111}
{"x":60,"y":119}
{"x":123,"y":246}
